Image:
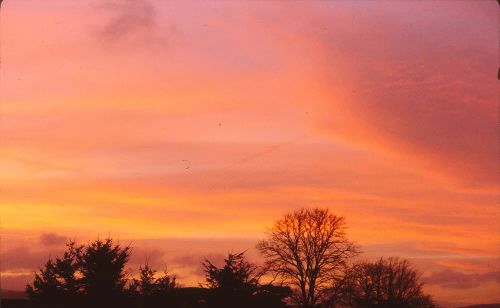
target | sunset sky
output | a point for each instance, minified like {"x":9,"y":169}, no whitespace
{"x":186,"y":128}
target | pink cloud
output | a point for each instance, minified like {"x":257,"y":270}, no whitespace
{"x":458,"y":280}
{"x":384,"y":112}
{"x":52,"y":239}
{"x":419,"y":85}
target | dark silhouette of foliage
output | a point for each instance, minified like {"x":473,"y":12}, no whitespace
{"x":91,"y":274}
{"x":386,"y":283}
{"x":57,"y":284}
{"x":102,"y":265}
{"x":236,"y":275}
{"x":232,"y":284}
{"x":151,"y":291}
{"x":271,"y":296}
{"x":308,"y":249}
{"x":144,"y":285}
{"x":236,"y":284}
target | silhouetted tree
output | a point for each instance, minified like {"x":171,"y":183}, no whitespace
{"x":232,"y":284}
{"x":144,"y":285}
{"x":58,"y":284}
{"x":272,"y":296}
{"x":166,"y":282}
{"x":102,"y":265}
{"x":386,"y":283}
{"x":151,"y":291}
{"x":309,"y":250}
{"x":93,"y":274}
{"x":236,"y":284}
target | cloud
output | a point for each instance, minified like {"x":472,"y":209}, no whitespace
{"x":52,"y":239}
{"x":15,"y":282}
{"x":194,"y":262}
{"x":132,"y":21}
{"x":426,"y":94}
{"x":153,"y":257}
{"x":457,"y":280}
{"x":412,"y":81}
{"x":457,"y":249}
{"x":22,"y":258}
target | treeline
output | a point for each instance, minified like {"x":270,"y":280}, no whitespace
{"x":309,"y":262}
{"x":94,"y":275}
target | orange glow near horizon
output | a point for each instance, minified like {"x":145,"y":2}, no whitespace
{"x":187,"y":128}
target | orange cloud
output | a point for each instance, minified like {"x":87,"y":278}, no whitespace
{"x":188,"y":131}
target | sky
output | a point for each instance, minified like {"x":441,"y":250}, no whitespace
{"x":186,"y":128}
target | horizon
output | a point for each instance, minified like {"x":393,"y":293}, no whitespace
{"x":188,"y":128}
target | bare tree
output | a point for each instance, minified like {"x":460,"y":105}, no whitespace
{"x":309,"y":250}
{"x":386,"y":283}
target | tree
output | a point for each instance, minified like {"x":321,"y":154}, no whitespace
{"x":92,"y":274}
{"x":57,"y":285}
{"x":145,"y":285}
{"x":232,"y":284}
{"x":152,"y":291}
{"x":309,"y":250}
{"x":165,"y":283}
{"x":386,"y":283}
{"x":236,"y":284}
{"x":102,"y":265}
